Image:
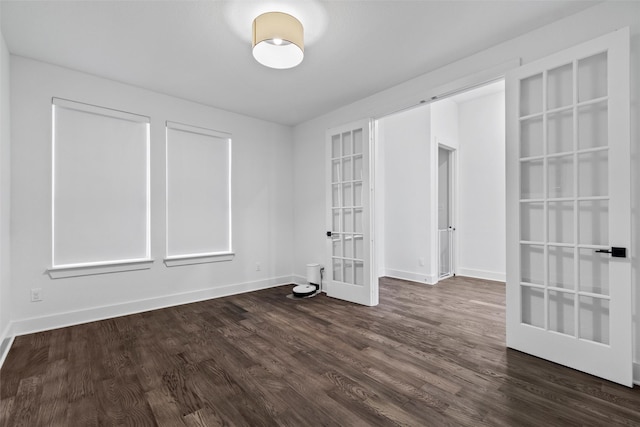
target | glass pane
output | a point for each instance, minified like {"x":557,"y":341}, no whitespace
{"x":593,"y":174}
{"x":357,"y":220}
{"x":346,"y":143}
{"x":335,"y":195}
{"x":359,"y":273}
{"x":593,"y":271}
{"x":560,"y":222}
{"x":532,"y":221}
{"x":335,"y":146}
{"x":594,"y":319}
{"x":347,"y":268}
{"x":561,"y":267}
{"x":335,"y":171}
{"x":357,"y":141}
{"x":532,"y":264}
{"x":444,"y":251}
{"x":531,"y":137}
{"x":560,"y":132}
{"x":348,"y":246}
{"x":593,"y":126}
{"x":337,"y":270}
{"x":560,"y":179}
{"x":593,"y":220}
{"x":359,"y":247}
{"x":347,"y":195}
{"x":347,"y":222}
{"x":532,"y":306}
{"x":336,"y":221}
{"x":560,"y":86}
{"x":531,"y":186}
{"x":561,"y":312}
{"x":347,"y":170}
{"x":336,"y":244}
{"x":357,"y":194}
{"x":592,"y":77}
{"x":531,"y":95}
{"x":357,"y":168}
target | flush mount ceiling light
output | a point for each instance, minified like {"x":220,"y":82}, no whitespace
{"x":278,"y":40}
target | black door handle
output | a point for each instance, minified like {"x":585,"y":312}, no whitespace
{"x":614,"y":251}
{"x":328,"y":234}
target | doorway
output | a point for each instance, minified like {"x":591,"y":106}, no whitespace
{"x":469,"y":132}
{"x":440,"y":201}
{"x":446,"y":197}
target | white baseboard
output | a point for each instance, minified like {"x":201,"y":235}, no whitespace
{"x":413,"y":277}
{"x":61,"y":320}
{"x":636,"y":373}
{"x":482,"y":274}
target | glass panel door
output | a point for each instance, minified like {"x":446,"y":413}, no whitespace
{"x":348,"y":220}
{"x":445,"y":214}
{"x":569,"y":206}
{"x":564,"y":198}
{"x":347,"y":258}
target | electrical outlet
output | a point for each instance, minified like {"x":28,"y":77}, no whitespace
{"x":36,"y":294}
{"x":257,"y":266}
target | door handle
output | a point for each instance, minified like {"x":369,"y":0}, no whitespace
{"x":614,"y":251}
{"x":329,"y":234}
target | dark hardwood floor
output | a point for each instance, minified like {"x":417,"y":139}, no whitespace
{"x":426,"y":356}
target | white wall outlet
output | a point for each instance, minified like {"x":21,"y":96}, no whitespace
{"x":36,"y":294}
{"x":257,"y":266}
{"x":421,"y":262}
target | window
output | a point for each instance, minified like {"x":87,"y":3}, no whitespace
{"x":198,"y":195}
{"x":100,"y":189}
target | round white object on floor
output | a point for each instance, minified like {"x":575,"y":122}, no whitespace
{"x":304,"y":290}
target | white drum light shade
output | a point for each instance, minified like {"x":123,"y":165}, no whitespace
{"x":278,"y":40}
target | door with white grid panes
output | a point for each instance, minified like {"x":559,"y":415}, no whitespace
{"x":568,"y":208}
{"x":350,"y":276}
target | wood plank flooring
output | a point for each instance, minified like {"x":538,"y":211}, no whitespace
{"x":426,"y":356}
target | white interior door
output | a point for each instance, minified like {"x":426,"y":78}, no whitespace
{"x":568,"y":203}
{"x":445,"y":213}
{"x":349,"y":214}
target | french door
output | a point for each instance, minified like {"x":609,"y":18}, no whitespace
{"x":349,"y":217}
{"x":568,"y":208}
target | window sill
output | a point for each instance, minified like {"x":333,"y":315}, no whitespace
{"x":178,"y":260}
{"x":89,"y":269}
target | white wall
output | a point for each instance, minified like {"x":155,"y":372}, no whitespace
{"x":444,"y":123}
{"x":309,"y":151}
{"x":261,"y":191}
{"x":405,"y":144}
{"x":408,"y":142}
{"x":5,"y":201}
{"x":408,"y":150}
{"x":444,"y":131}
{"x":481,"y":221}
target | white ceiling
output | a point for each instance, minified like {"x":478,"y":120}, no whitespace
{"x":195,"y":49}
